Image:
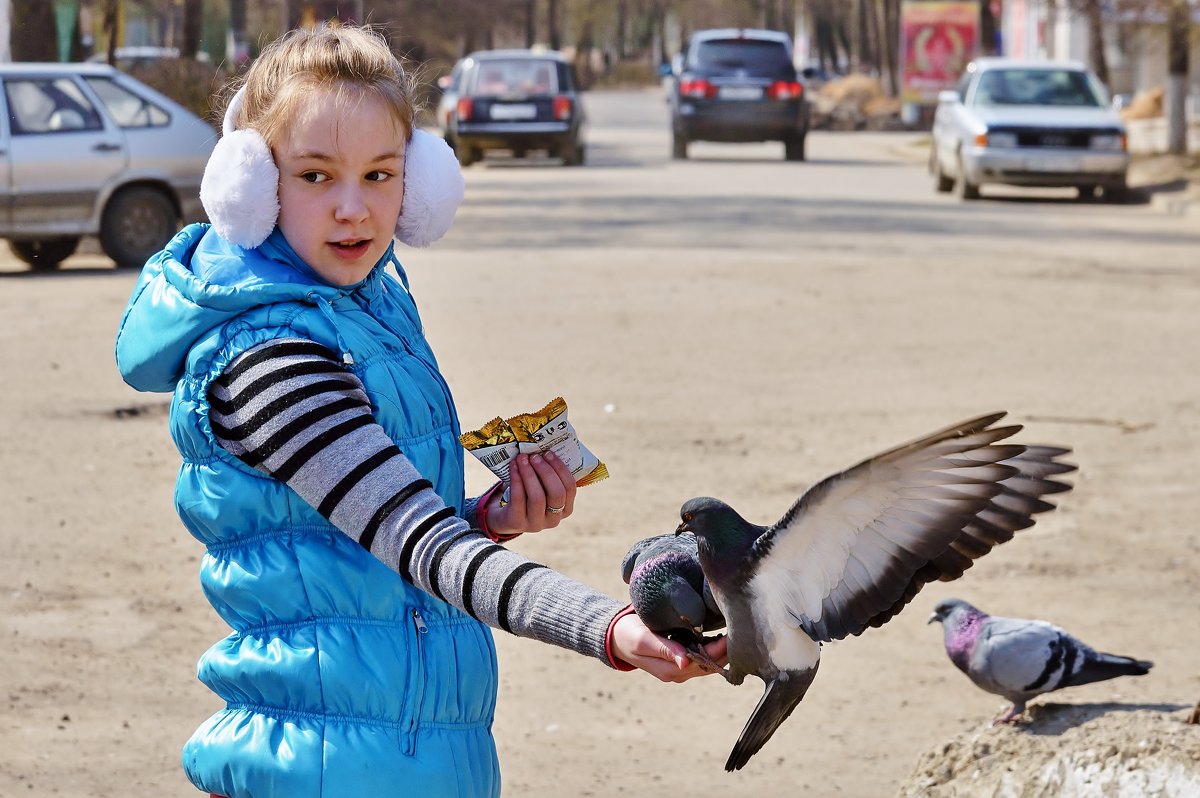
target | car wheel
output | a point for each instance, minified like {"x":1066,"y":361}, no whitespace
{"x":137,"y":222}
{"x":679,"y":147}
{"x":793,"y":148}
{"x":1086,"y":193}
{"x":966,"y":189}
{"x":573,"y":154}
{"x":467,"y":155}
{"x":941,"y":181}
{"x":45,"y":253}
{"x":1117,"y":194}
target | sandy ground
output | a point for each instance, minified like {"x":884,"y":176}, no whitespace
{"x":791,"y":377}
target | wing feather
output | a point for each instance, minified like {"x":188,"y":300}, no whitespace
{"x":859,"y":545}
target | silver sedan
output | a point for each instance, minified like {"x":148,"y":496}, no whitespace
{"x":87,"y":150}
{"x":1025,"y":123}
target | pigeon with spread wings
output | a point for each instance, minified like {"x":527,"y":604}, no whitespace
{"x":857,"y":547}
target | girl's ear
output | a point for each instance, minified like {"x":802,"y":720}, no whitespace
{"x":433,"y":190}
{"x":240,"y":187}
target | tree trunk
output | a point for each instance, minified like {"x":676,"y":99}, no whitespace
{"x":29,"y":16}
{"x":1177,"y":74}
{"x":554,"y":37}
{"x":1095,"y":23}
{"x":193,"y":23}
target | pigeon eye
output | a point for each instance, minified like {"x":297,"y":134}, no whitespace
{"x":687,"y":517}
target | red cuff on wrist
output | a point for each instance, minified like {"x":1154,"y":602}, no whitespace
{"x":481,"y":514}
{"x":619,"y":664}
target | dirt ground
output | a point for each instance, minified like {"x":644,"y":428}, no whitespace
{"x":699,"y":374}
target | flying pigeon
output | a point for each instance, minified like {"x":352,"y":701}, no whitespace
{"x":1020,"y":659}
{"x":855,"y":548}
{"x":670,"y":594}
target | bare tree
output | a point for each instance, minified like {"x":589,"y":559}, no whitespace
{"x":29,"y":16}
{"x":1178,"y":30}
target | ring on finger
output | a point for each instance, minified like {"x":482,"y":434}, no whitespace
{"x":556,"y":510}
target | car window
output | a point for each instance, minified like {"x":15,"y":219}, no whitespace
{"x":741,"y":55}
{"x":523,"y":76}
{"x":1068,"y":87}
{"x":127,"y":109}
{"x":49,"y":105}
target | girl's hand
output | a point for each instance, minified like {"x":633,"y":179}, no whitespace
{"x":541,"y":494}
{"x":663,"y":659}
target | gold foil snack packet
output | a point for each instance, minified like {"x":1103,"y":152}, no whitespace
{"x":549,"y":430}
{"x":496,"y":443}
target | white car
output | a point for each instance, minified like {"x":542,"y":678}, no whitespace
{"x":1027,"y":123}
{"x":88,"y":150}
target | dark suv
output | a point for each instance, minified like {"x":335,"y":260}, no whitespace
{"x":738,"y":85}
{"x":516,"y":100}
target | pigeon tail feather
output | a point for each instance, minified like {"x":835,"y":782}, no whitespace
{"x":1102,"y":667}
{"x":782,"y":695}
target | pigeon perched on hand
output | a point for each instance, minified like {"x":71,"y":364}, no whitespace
{"x":670,"y":594}
{"x":855,"y":549}
{"x":1020,"y":659}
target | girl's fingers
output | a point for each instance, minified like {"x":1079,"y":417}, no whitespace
{"x":516,"y":490}
{"x":535,"y":497}
{"x":554,"y":489}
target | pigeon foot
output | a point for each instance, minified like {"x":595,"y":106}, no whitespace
{"x":1013,"y":715}
{"x":701,"y":658}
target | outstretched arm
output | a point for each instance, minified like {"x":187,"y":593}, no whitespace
{"x":291,"y":409}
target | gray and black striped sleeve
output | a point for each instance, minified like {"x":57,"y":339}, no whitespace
{"x":289,"y":408}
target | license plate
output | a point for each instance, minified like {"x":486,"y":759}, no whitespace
{"x":1053,"y":164}
{"x":513,"y":112}
{"x":740,"y":93}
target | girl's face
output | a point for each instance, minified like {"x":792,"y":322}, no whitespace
{"x":341,"y":184}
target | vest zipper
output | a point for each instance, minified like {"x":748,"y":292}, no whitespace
{"x":418,"y":661}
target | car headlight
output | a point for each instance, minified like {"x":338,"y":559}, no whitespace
{"x":1002,"y":140}
{"x":1107,"y":141}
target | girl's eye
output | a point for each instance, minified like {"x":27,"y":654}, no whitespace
{"x":378,"y":176}
{"x":313,"y":177}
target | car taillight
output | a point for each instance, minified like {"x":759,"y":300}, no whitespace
{"x":697,"y":87}
{"x":785,"y":90}
{"x":465,"y":106}
{"x":562,"y":108}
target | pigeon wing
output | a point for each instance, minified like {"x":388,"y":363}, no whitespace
{"x":1008,"y":512}
{"x":853,"y":547}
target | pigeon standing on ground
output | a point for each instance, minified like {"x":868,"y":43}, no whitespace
{"x":856,"y":547}
{"x":670,"y":594}
{"x":1020,"y":659}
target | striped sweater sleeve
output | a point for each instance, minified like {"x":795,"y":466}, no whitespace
{"x":289,"y":408}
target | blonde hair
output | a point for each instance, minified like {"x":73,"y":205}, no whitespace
{"x":346,"y":60}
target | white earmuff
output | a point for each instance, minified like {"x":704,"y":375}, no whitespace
{"x":240,"y":187}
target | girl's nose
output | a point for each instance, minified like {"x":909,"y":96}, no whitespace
{"x":351,"y":206}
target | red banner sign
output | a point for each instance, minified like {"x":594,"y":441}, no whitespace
{"x":938,"y":39}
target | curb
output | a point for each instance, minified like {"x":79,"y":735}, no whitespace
{"x":1178,"y":203}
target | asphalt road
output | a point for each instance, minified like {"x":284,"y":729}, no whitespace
{"x":858,"y":193}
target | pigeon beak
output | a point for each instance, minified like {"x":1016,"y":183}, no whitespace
{"x":933,"y":616}
{"x":679,"y":530}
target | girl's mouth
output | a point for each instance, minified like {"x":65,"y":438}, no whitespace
{"x":350,"y":249}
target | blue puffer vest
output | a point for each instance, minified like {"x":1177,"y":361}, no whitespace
{"x":340,"y":678}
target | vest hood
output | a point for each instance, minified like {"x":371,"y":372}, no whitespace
{"x":199,"y":281}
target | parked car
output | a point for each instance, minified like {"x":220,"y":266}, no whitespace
{"x":517,"y":100}
{"x":1024,"y":123}
{"x":128,"y":58}
{"x":87,"y":150}
{"x":738,"y":85}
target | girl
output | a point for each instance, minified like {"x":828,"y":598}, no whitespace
{"x":321,"y":464}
